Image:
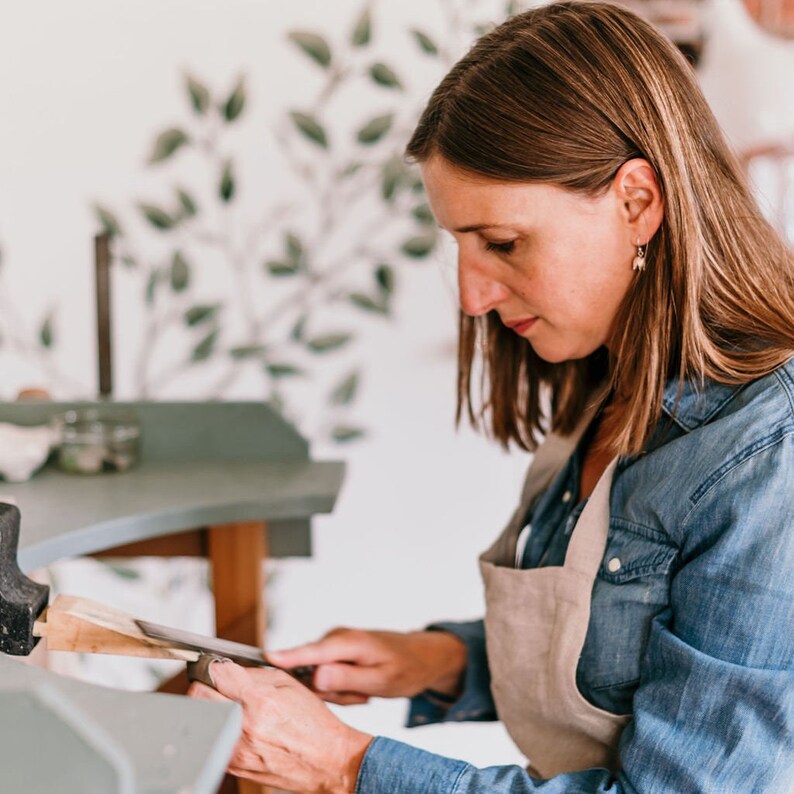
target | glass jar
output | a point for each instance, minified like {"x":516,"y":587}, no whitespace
{"x":97,"y":440}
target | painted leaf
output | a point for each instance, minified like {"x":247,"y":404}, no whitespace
{"x":391,"y":178}
{"x":419,"y":246}
{"x":283,"y":370}
{"x":294,"y":247}
{"x":204,"y":349}
{"x":384,"y":276}
{"x":351,"y":170}
{"x":124,"y":572}
{"x":200,"y":313}
{"x":234,"y":105}
{"x":384,"y":75}
{"x":279,"y":269}
{"x":107,"y":220}
{"x":180,"y":272}
{"x":199,"y":95}
{"x":157,"y":216}
{"x":227,"y":185}
{"x":129,"y":262}
{"x":314,"y":45}
{"x":322,"y":344}
{"x":46,"y":333}
{"x":187,"y":203}
{"x":344,"y":393}
{"x":368,"y":303}
{"x":167,"y":143}
{"x":299,"y":329}
{"x":426,"y":44}
{"x":276,"y":402}
{"x":310,"y":127}
{"x":375,"y":129}
{"x":245,"y":352}
{"x":423,"y":214}
{"x":512,"y":8}
{"x":344,"y":433}
{"x":362,"y":32}
{"x":151,"y":287}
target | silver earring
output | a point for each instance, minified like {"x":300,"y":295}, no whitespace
{"x":639,"y":261}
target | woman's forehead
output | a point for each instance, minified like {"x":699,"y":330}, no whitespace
{"x":471,"y":202}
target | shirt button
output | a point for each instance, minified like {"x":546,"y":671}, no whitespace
{"x":566,"y":497}
{"x":613,"y":566}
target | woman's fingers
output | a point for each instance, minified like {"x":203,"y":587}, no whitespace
{"x":344,"y":698}
{"x":340,"y":645}
{"x":203,"y":692}
{"x":239,"y":683}
{"x":348,"y":678}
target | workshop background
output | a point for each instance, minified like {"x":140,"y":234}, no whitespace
{"x":271,"y":244}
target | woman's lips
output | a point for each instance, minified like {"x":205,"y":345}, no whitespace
{"x":522,"y":326}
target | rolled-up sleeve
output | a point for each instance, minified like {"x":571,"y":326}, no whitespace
{"x":475,"y":702}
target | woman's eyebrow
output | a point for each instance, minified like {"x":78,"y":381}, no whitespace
{"x":478,"y":227}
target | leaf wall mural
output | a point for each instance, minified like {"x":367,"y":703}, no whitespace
{"x":361,"y":181}
{"x":306,"y":274}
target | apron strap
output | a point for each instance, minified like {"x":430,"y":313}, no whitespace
{"x":546,"y":464}
{"x":589,"y":538}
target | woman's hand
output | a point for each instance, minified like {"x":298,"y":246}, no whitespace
{"x":290,"y":738}
{"x":354,"y":665}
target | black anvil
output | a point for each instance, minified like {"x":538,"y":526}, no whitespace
{"x":21,"y":599}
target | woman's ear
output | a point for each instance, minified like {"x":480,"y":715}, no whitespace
{"x":638,"y":190}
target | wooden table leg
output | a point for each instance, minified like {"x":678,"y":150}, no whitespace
{"x":237,"y":554}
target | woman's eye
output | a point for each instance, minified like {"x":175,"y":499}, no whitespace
{"x":502,"y":248}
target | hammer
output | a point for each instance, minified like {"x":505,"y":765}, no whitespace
{"x":21,"y":599}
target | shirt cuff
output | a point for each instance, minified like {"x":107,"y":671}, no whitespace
{"x":475,"y":702}
{"x":390,"y":766}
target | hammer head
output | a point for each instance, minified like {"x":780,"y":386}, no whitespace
{"x":21,"y":599}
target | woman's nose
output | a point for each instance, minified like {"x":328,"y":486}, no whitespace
{"x":479,"y":292}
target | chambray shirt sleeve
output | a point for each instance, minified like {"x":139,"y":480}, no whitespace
{"x":714,"y":710}
{"x":475,"y":702}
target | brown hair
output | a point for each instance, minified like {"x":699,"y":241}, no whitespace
{"x":566,"y":94}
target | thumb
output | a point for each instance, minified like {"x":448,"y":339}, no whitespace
{"x":230,"y":679}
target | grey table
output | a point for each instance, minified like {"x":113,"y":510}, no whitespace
{"x":229,"y":481}
{"x":58,"y":735}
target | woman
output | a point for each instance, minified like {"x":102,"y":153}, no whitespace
{"x":640,"y":604}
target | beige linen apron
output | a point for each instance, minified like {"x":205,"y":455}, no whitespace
{"x":535,"y":626}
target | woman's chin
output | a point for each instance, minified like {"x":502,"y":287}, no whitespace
{"x":556,"y":354}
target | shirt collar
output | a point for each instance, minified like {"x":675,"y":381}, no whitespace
{"x":697,"y":402}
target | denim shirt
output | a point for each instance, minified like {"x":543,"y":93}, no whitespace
{"x":692,"y":617}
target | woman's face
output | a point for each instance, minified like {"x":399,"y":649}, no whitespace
{"x":555,"y":265}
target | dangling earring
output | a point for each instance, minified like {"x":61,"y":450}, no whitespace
{"x":639,"y":260}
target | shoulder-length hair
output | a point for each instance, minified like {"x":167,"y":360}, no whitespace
{"x":566,"y":94}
